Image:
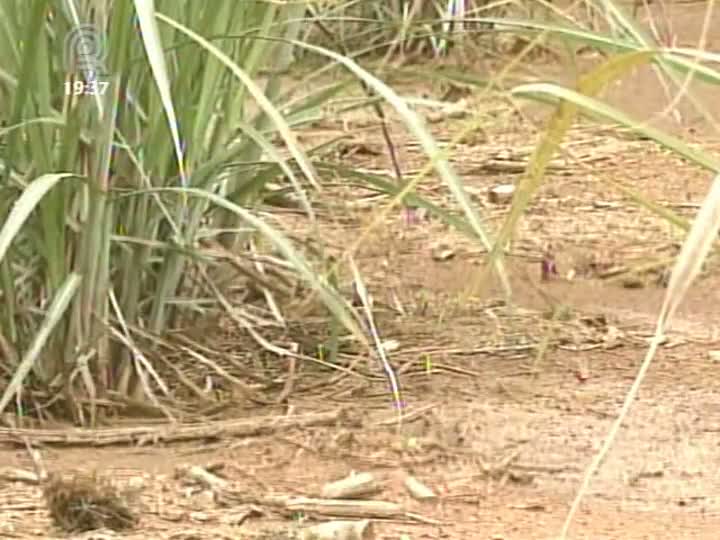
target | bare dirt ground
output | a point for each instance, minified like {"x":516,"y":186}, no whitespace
{"x":507,"y":407}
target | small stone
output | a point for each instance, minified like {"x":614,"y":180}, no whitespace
{"x":501,"y":194}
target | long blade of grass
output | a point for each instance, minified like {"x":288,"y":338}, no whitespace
{"x":560,"y":123}
{"x":386,"y":185}
{"x":54,"y":315}
{"x":272,"y":112}
{"x":24,"y":206}
{"x":145,"y":10}
{"x":319,"y":283}
{"x":596,"y":108}
{"x":437,"y":159}
{"x":681,"y":59}
{"x":695,"y":249}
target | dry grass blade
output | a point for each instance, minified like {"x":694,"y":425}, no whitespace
{"x":370,"y":320}
{"x":437,"y":158}
{"x":55,"y":313}
{"x":694,"y":251}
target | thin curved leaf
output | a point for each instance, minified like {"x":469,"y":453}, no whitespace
{"x":23,"y":207}
{"x":57,"y":309}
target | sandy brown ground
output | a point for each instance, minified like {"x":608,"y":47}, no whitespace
{"x":504,"y":450}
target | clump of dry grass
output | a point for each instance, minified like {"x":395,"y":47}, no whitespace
{"x":86,"y":502}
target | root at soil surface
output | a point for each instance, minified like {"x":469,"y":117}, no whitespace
{"x":173,"y":433}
